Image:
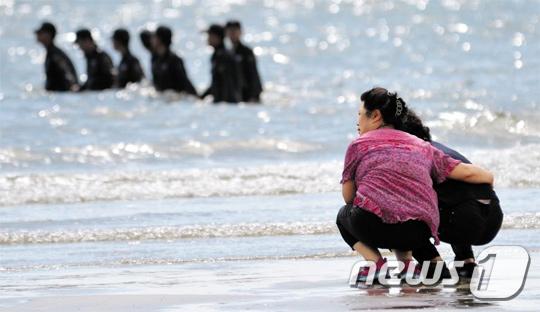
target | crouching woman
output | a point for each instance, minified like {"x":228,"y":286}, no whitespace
{"x":387,"y":184}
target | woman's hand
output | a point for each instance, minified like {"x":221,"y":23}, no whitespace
{"x":348,"y":190}
{"x":471,"y":174}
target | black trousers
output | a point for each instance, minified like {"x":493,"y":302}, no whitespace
{"x":468,"y":223}
{"x":358,"y":225}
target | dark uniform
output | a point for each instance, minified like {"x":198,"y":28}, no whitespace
{"x":225,"y":85}
{"x":129,"y":70}
{"x":169,"y":73}
{"x":59,"y":69}
{"x":250,"y":80}
{"x":99,"y":69}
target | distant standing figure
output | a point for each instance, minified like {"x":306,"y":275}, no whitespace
{"x":249,"y":79}
{"x":59,"y":70}
{"x":129,"y":69}
{"x":99,"y":66}
{"x":225,"y":85}
{"x":146,"y":40}
{"x":168,"y":68}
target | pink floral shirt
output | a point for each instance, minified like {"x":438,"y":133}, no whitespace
{"x":394,"y":172}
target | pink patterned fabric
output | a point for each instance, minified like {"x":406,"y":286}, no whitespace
{"x":394,"y":172}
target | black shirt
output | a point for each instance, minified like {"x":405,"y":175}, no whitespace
{"x":169,"y":73}
{"x":99,"y":71}
{"x":59,"y":70}
{"x":453,"y":192}
{"x":250,"y":80}
{"x":225,"y":85}
{"x":129,"y":70}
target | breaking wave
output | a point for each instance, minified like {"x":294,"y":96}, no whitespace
{"x":514,"y":167}
{"x":138,"y":185}
{"x":513,"y":221}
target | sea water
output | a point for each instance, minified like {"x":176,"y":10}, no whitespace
{"x":131,"y":177}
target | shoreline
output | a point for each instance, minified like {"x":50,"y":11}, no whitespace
{"x":269,"y":285}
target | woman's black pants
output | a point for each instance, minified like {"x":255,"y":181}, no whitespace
{"x":358,"y":225}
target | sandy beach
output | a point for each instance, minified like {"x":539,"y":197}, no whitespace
{"x":271,"y":285}
{"x":139,"y":200}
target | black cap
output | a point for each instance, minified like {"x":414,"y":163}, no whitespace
{"x":164,"y":35}
{"x":47,"y":27}
{"x":83,"y":34}
{"x":122,"y":36}
{"x":233,"y":24}
{"x":216,"y":30}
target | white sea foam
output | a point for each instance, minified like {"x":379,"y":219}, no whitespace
{"x":136,"y":185}
{"x":517,"y":166}
{"x":167,"y":232}
{"x":513,"y":167}
{"x":513,"y":221}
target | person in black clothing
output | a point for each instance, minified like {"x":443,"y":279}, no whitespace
{"x":168,"y":68}
{"x":99,"y":66}
{"x":470,"y":214}
{"x":225,"y":85}
{"x":59,"y":70}
{"x":129,"y":69}
{"x":146,"y":40}
{"x":249,"y":79}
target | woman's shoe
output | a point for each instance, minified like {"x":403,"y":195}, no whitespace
{"x":365,"y":274}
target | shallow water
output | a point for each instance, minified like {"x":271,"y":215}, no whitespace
{"x":120,"y":178}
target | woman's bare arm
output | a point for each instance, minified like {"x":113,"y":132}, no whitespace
{"x":348,"y":190}
{"x":471,"y":174}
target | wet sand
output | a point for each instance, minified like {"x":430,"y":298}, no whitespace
{"x":270,"y":285}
